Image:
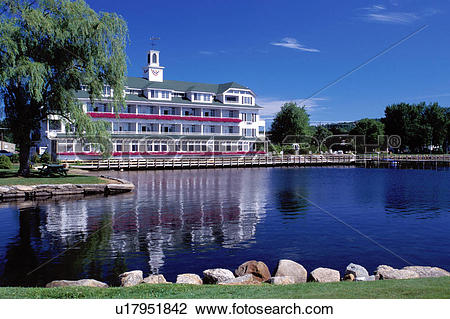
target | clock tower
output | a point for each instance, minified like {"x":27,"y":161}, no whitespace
{"x":153,"y":71}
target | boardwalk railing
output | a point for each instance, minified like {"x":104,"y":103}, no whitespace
{"x":243,"y":161}
{"x":204,"y":162}
{"x":403,"y":158}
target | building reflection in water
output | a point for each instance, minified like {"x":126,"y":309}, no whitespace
{"x":200,"y":209}
{"x":170,"y":212}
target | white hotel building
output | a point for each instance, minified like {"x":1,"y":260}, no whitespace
{"x":166,"y":118}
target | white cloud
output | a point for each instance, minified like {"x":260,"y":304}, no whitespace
{"x":393,"y":17}
{"x":273,"y":105}
{"x":206,"y":52}
{"x":379,"y":13}
{"x":375,"y":7}
{"x":292,"y":43}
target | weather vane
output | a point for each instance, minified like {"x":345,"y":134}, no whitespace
{"x":153,"y":39}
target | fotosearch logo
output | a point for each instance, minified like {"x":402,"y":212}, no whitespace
{"x":394,"y":141}
{"x":352,"y":143}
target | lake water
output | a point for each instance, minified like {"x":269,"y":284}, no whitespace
{"x":191,"y":220}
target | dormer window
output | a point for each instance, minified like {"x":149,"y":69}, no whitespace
{"x":232,"y":98}
{"x":247,"y":100}
{"x":165,"y":94}
{"x":197,"y":96}
{"x":157,"y":94}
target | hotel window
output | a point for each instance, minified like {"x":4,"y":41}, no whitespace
{"x":154,"y":94}
{"x":261,"y":129}
{"x":247,"y":100}
{"x":55,"y":125}
{"x":208,"y":113}
{"x":204,"y":149}
{"x":230,"y":129}
{"x":231,"y":98}
{"x":206,"y":97}
{"x":106,"y":90}
{"x":118,"y":146}
{"x":157,"y":146}
{"x":144,"y":109}
{"x":135,"y":146}
{"x":149,"y":146}
{"x":197,"y":96}
{"x":165,"y":94}
{"x":69,"y":145}
{"x":163,"y":147}
{"x":131,"y":109}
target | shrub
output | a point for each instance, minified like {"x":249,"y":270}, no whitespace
{"x":5,"y":162}
{"x":45,"y":158}
{"x":34,"y":158}
{"x":14,"y":158}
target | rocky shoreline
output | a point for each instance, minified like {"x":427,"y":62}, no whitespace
{"x":30,"y":192}
{"x":256,"y":272}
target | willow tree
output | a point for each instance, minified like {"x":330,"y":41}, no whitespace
{"x":48,"y":49}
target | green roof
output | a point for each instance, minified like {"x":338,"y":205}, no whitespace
{"x":141,"y":83}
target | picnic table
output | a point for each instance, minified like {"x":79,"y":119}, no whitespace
{"x":50,"y":169}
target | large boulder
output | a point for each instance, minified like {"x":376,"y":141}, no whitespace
{"x":247,"y":279}
{"x":381,"y":270}
{"x":285,"y":280}
{"x":290,"y":268}
{"x":256,"y":268}
{"x":155,"y":279}
{"x":217,"y":275}
{"x":190,"y":279}
{"x":427,"y":272}
{"x":356,"y":270}
{"x":384,"y":272}
{"x":131,"y":278}
{"x":325,"y":275}
{"x":77,"y":283}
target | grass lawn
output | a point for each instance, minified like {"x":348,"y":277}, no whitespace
{"x":9,"y":177}
{"x":387,"y":289}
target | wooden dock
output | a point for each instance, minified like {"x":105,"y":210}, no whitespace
{"x":255,"y":161}
{"x":215,"y":162}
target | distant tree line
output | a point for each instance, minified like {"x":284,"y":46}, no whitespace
{"x":422,"y":128}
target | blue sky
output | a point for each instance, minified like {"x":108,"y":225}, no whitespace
{"x":287,"y":50}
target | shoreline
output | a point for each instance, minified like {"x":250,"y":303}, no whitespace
{"x":419,"y":288}
{"x":47,"y":191}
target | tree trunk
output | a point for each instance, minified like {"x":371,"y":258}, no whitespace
{"x":24,"y":159}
